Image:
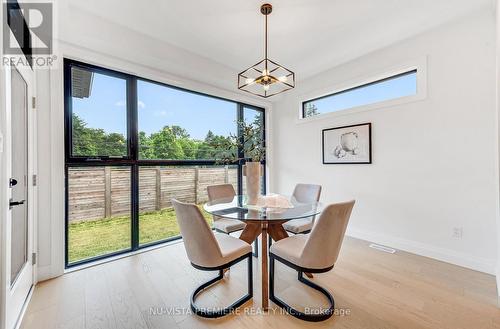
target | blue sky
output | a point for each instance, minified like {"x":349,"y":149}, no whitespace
{"x":398,"y":87}
{"x":158,"y":106}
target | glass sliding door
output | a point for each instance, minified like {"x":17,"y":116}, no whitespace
{"x":131,"y":146}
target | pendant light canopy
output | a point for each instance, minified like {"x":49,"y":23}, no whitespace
{"x":266,"y":78}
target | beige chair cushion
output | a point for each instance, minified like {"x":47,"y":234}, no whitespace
{"x":228,"y":225}
{"x":290,"y":248}
{"x":231,"y":247}
{"x":320,"y":248}
{"x":299,"y":225}
{"x":202,"y":247}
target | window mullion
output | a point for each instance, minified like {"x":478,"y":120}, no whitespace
{"x":240,"y":118}
{"x":133,"y":141}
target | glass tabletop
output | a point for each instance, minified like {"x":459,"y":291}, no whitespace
{"x":273,"y":207}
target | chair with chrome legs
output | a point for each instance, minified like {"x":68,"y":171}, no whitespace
{"x":315,"y":252}
{"x":209,"y":252}
{"x":226,"y":225}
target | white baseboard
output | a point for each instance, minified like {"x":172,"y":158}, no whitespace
{"x":24,"y":308}
{"x":442,"y":254}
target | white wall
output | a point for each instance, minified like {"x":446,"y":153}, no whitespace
{"x":434,"y":160}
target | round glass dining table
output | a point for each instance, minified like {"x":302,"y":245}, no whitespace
{"x":262,"y":219}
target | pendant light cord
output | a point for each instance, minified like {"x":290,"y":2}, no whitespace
{"x":266,"y":40}
{"x":265,"y":48}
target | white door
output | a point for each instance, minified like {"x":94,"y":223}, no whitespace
{"x":19,"y":163}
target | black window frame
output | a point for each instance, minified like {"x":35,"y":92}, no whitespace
{"x":132,"y":158}
{"x":395,"y":76}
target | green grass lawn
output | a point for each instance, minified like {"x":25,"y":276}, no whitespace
{"x":102,"y":236}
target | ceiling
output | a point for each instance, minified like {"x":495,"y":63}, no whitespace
{"x":307,"y":36}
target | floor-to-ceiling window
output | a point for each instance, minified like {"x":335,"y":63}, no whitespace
{"x":131,"y":146}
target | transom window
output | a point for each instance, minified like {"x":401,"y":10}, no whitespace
{"x":392,"y":87}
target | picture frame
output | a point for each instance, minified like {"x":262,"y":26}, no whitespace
{"x":347,"y":144}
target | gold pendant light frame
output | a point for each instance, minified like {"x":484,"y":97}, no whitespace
{"x":266,"y":78}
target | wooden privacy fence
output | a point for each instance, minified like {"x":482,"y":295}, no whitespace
{"x":100,"y":192}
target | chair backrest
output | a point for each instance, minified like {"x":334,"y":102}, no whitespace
{"x":307,"y":192}
{"x":199,"y":240}
{"x":323,"y":244}
{"x":223,"y":191}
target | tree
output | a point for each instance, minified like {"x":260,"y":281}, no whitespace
{"x":113,"y":144}
{"x":180,"y":132}
{"x":95,"y":142}
{"x":207,"y":149}
{"x":165,"y":146}
{"x":145,"y":151}
{"x":310,"y":110}
{"x":83,"y":143}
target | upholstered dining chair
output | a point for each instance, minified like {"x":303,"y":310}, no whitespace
{"x":302,"y":193}
{"x":226,"y":225}
{"x":209,"y":252}
{"x":315,"y":252}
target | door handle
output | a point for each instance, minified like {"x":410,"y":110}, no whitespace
{"x":15,"y":203}
{"x":12,"y":182}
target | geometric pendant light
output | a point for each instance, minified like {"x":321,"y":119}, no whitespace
{"x":266,"y":78}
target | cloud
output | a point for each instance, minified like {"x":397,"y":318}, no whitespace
{"x":122,"y":103}
{"x":161,"y":113}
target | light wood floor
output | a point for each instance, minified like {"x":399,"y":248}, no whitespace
{"x":378,"y":290}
